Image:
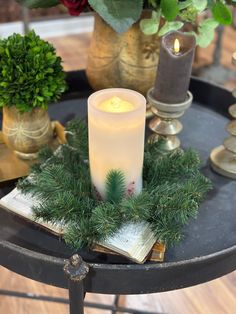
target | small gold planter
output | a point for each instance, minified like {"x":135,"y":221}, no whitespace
{"x":25,"y":133}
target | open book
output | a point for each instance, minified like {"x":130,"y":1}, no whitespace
{"x":22,"y":205}
{"x":133,"y":240}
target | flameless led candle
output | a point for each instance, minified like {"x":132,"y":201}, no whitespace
{"x":174,"y":68}
{"x":116,"y":121}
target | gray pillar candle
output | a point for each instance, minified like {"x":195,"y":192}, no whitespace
{"x":174,"y":68}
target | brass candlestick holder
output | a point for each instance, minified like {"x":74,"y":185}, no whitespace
{"x":166,"y":125}
{"x":223,"y":157}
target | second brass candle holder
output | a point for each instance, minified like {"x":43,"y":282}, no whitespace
{"x":223,"y":157}
{"x":165,"y":124}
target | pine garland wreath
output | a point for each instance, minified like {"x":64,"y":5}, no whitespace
{"x":173,"y":190}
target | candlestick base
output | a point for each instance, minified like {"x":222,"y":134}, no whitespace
{"x":223,"y":158}
{"x":165,"y":124}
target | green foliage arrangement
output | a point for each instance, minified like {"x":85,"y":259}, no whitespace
{"x":173,"y":190}
{"x":177,"y":14}
{"x":121,"y":14}
{"x":31,"y":74}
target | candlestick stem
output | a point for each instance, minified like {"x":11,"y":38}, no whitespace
{"x":165,"y":124}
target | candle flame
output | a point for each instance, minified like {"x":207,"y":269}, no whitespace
{"x":176,"y":46}
{"x":116,"y":105}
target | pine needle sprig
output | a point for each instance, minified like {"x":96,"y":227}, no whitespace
{"x":62,"y":204}
{"x":44,"y":154}
{"x":172,"y":167}
{"x":115,"y":186}
{"x":80,"y":233}
{"x":137,"y":207}
{"x":36,"y":169}
{"x":106,"y":219}
{"x":166,"y":231}
{"x":77,"y":136}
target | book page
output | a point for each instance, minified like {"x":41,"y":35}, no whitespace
{"x":22,"y":205}
{"x":19,"y":203}
{"x":134,"y":240}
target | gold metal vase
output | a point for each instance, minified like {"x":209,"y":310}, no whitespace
{"x":27,"y":132}
{"x":127,"y":60}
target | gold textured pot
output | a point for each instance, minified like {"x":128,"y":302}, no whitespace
{"x":27,"y":132}
{"x":126,"y":60}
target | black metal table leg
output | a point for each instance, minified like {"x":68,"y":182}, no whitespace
{"x":116,"y":304}
{"x":76,"y":270}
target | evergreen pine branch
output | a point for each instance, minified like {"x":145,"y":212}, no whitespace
{"x":44,"y":154}
{"x":77,"y":136}
{"x":172,"y":167}
{"x":80,"y":233}
{"x":106,"y":219}
{"x":36,"y":169}
{"x":180,"y":201}
{"x":137,"y":207}
{"x":27,"y":187}
{"x":58,"y":174}
{"x":166,"y":231}
{"x":63,"y":204}
{"x":115,"y":186}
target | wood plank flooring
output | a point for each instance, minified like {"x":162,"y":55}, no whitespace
{"x":215,"y":297}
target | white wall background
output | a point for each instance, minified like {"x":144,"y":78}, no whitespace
{"x":51,"y":28}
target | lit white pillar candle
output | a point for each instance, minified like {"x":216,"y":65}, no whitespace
{"x":116,"y":120}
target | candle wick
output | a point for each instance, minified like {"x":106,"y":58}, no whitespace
{"x":116,"y":102}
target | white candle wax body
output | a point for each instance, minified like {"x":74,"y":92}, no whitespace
{"x":116,"y":138}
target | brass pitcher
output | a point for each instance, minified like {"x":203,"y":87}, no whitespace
{"x":27,"y":132}
{"x":127,"y":60}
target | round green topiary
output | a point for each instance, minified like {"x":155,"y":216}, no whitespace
{"x":31,"y":74}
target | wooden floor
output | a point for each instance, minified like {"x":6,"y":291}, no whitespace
{"x":216,"y":297}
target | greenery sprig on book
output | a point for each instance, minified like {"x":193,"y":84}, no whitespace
{"x":173,"y":190}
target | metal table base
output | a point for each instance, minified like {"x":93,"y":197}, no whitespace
{"x":114,"y":308}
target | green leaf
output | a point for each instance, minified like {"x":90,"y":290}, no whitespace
{"x":185,"y":4}
{"x":206,"y":32}
{"x":207,"y":25}
{"x":39,"y":3}
{"x":40,"y":98}
{"x":170,"y":26}
{"x":222,"y":13}
{"x":200,"y":5}
{"x":150,"y":26}
{"x":4,"y":84}
{"x":119,"y":14}
{"x":170,"y":9}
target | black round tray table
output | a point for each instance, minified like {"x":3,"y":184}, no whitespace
{"x":208,"y":250}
